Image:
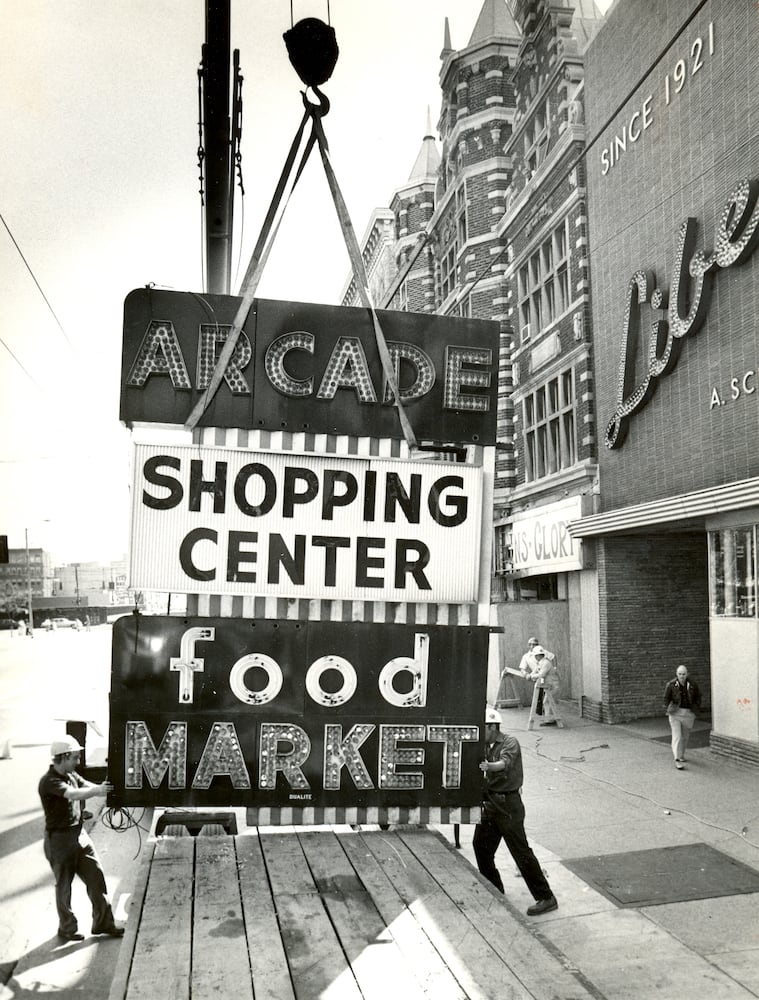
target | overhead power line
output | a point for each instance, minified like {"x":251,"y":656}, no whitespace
{"x":39,"y":287}
{"x":30,"y":377}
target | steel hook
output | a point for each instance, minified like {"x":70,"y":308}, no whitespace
{"x":317,"y":110}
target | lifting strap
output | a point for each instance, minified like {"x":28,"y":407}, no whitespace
{"x":263,"y":247}
{"x":253,"y":274}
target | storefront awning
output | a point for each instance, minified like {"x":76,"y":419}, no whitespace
{"x":686,"y":507}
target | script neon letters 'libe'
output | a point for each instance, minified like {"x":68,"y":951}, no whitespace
{"x":736,"y":238}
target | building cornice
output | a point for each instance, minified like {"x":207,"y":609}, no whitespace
{"x":477,"y":120}
{"x":533,"y":189}
{"x":684,"y":508}
{"x":415,"y":187}
{"x":461,"y":58}
{"x":576,"y":480}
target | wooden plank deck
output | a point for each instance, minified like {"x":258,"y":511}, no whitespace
{"x":341,"y":915}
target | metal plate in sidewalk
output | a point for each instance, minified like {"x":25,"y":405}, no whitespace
{"x":665,"y":875}
{"x":698,"y":739}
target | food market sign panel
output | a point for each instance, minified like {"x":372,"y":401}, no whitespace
{"x":265,"y":713}
{"x":302,"y":367}
{"x":225,"y":521}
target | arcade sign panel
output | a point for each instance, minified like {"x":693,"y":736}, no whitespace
{"x":267,"y":713}
{"x":283,"y":524}
{"x":302,"y":367}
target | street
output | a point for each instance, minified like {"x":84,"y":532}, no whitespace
{"x":44,"y":681}
{"x":56,"y":675}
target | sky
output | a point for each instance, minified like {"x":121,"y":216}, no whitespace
{"x":99,"y":189}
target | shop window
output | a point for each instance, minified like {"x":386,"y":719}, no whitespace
{"x":732,"y":572}
{"x":537,"y":588}
{"x":549,"y":427}
{"x":502,"y":554}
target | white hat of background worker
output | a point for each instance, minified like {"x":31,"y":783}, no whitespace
{"x":65,"y":745}
{"x":492,"y":716}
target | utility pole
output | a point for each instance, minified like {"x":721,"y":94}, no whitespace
{"x":29,"y":583}
{"x":217,"y":145}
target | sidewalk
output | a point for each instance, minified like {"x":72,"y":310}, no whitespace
{"x":596,"y":790}
{"x":590,"y":791}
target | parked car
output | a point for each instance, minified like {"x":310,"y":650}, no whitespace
{"x":6,"y":623}
{"x":54,"y":623}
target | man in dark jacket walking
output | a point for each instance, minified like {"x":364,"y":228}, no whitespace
{"x":682,"y":700}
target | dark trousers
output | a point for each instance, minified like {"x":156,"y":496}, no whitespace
{"x":70,"y":853}
{"x":507,"y":822}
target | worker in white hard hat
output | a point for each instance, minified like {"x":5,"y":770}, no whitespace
{"x":68,"y":847}
{"x":539,"y":664}
{"x":527,"y":663}
{"x":503,"y":816}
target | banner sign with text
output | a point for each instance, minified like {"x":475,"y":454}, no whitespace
{"x":265,"y":713}
{"x":540,"y":539}
{"x":226,"y":521}
{"x":303,"y":367}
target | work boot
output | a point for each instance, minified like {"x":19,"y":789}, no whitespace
{"x":542,"y":906}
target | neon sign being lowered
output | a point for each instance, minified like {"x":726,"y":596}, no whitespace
{"x":735,"y":239}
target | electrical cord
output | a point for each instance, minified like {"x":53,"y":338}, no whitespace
{"x":638,"y":795}
{"x":121,"y":820}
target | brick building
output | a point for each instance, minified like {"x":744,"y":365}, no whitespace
{"x":27,"y":570}
{"x":614,"y":156}
{"x":498,"y":230}
{"x":674,"y":219}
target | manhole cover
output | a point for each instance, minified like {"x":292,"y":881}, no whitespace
{"x":665,"y":875}
{"x":698,"y":739}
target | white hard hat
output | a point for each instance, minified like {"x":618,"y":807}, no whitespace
{"x":538,"y":651}
{"x":492,"y":716}
{"x":65,"y":745}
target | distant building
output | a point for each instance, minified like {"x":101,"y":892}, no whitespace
{"x":16,"y":576}
{"x":104,"y":582}
{"x":77,"y":587}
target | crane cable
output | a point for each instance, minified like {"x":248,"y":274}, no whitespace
{"x":260,"y":255}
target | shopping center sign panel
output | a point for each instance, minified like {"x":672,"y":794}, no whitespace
{"x":225,"y":521}
{"x":304,"y":367}
{"x":219,"y":711}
